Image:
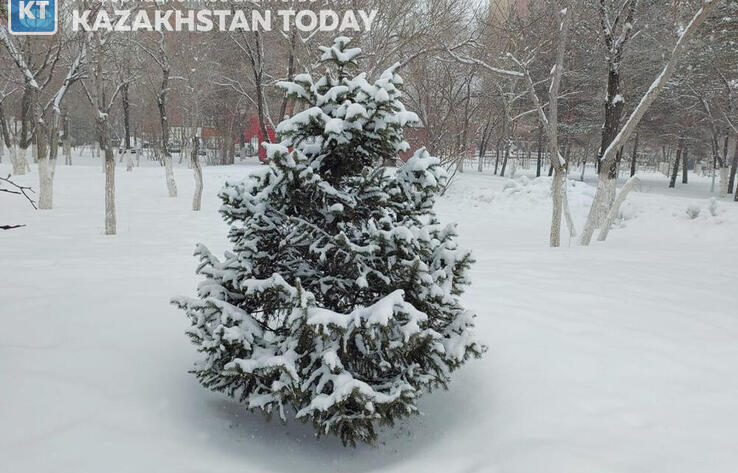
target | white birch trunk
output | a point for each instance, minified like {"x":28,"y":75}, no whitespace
{"x":615,"y":208}
{"x":52,"y":158}
{"x":45,"y":183}
{"x":23,"y":155}
{"x":604,"y":197}
{"x":171,"y":184}
{"x":67,"y":151}
{"x":557,"y":195}
{"x":567,"y":215}
{"x":129,"y":160}
{"x":19,"y":168}
{"x":197,"y":198}
{"x":724,"y":180}
{"x":110,"y":222}
{"x":513,"y":168}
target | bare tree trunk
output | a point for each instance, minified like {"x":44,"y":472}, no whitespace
{"x":45,"y":177}
{"x":724,"y":178}
{"x":39,"y":146}
{"x":507,"y":156}
{"x":5,"y":139}
{"x":731,"y":181}
{"x":481,"y":153}
{"x":557,"y":194}
{"x":609,"y":164}
{"x":10,"y":142}
{"x":161,"y":58}
{"x":615,"y":209}
{"x":584,"y":164}
{"x":497,"y":156}
{"x":540,"y":151}
{"x":197,"y":198}
{"x":483,"y":144}
{"x":137,"y":147}
{"x":464,"y":141}
{"x":22,"y":155}
{"x":108,"y":159}
{"x":164,"y":120}
{"x":126,"y":106}
{"x":23,"y":142}
{"x":19,"y":166}
{"x":685,"y":178}
{"x":110,"y":222}
{"x":257,"y":65}
{"x":290,"y":72}
{"x":67,"y":143}
{"x":713,"y":170}
{"x":558,"y":185}
{"x":634,"y":158}
{"x":100,"y":153}
{"x":567,"y":214}
{"x":171,"y":184}
{"x":675,"y":169}
{"x":514,"y":164}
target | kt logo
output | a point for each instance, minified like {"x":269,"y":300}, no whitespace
{"x":32,"y":17}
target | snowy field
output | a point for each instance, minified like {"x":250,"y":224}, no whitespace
{"x":620,"y":357}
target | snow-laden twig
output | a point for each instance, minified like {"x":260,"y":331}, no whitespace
{"x":484,"y":65}
{"x":17,"y":57}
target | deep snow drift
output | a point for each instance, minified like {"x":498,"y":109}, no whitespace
{"x":620,"y":357}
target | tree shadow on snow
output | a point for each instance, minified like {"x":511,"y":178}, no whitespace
{"x":275,"y":446}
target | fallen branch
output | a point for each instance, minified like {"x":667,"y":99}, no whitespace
{"x":21,"y":190}
{"x":18,"y":190}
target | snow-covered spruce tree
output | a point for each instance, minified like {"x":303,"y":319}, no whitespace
{"x":339,"y":303}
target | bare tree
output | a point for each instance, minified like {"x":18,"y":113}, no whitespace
{"x":197,"y":197}
{"x":161,"y":58}
{"x":7,"y":135}
{"x":550,"y":121}
{"x":600,"y":202}
{"x":40,"y":129}
{"x":102,"y":90}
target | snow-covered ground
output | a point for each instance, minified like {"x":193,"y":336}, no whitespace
{"x":620,"y":357}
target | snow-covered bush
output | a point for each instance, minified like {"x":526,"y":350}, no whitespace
{"x":693,"y":211}
{"x":339,"y":303}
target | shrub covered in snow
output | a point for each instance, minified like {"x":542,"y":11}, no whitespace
{"x":693,"y":211}
{"x":339,"y":303}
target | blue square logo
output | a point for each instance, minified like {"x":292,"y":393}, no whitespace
{"x":32,"y":17}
